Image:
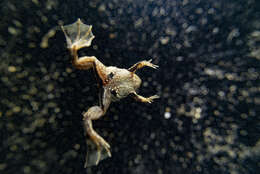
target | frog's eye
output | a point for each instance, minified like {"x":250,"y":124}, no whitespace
{"x":110,"y":76}
{"x":113,"y":92}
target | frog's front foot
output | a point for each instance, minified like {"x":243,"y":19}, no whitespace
{"x":149,"y":64}
{"x":150,"y":99}
{"x":143,"y":99}
{"x":142,"y":64}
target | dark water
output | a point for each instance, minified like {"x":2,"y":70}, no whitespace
{"x":206,"y":121}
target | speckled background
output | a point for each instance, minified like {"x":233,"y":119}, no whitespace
{"x":206,"y":121}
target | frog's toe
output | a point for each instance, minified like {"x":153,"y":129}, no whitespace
{"x":155,"y":96}
{"x":150,"y":99}
{"x":150,"y":64}
{"x":154,"y":66}
{"x":95,"y":153}
{"x":98,"y":155}
{"x":106,"y":146}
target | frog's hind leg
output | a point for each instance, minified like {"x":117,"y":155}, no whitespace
{"x":94,"y":113}
{"x":87,"y":62}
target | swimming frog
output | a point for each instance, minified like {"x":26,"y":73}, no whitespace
{"x":115,"y":83}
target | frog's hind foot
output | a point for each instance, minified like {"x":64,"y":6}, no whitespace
{"x":78,"y":35}
{"x":97,"y":147}
{"x":97,"y":150}
{"x":95,"y":154}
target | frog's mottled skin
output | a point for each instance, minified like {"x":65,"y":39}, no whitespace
{"x":116,"y":83}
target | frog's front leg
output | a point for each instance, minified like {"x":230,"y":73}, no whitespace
{"x":143,"y":99}
{"x":94,"y":113}
{"x":142,"y":64}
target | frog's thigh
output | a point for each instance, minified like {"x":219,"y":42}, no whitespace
{"x":93,"y":113}
{"x":92,"y":62}
{"x":87,"y":62}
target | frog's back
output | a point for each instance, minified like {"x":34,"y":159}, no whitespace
{"x":122,"y":81}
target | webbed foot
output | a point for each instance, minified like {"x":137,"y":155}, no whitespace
{"x":101,"y":144}
{"x":78,"y":35}
{"x":97,"y":150}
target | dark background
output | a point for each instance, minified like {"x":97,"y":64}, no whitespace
{"x":206,"y":121}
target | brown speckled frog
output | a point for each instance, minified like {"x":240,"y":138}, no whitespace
{"x":115,"y":84}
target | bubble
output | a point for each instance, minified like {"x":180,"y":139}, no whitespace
{"x":167,"y":115}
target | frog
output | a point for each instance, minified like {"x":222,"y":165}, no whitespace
{"x":114,"y":83}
